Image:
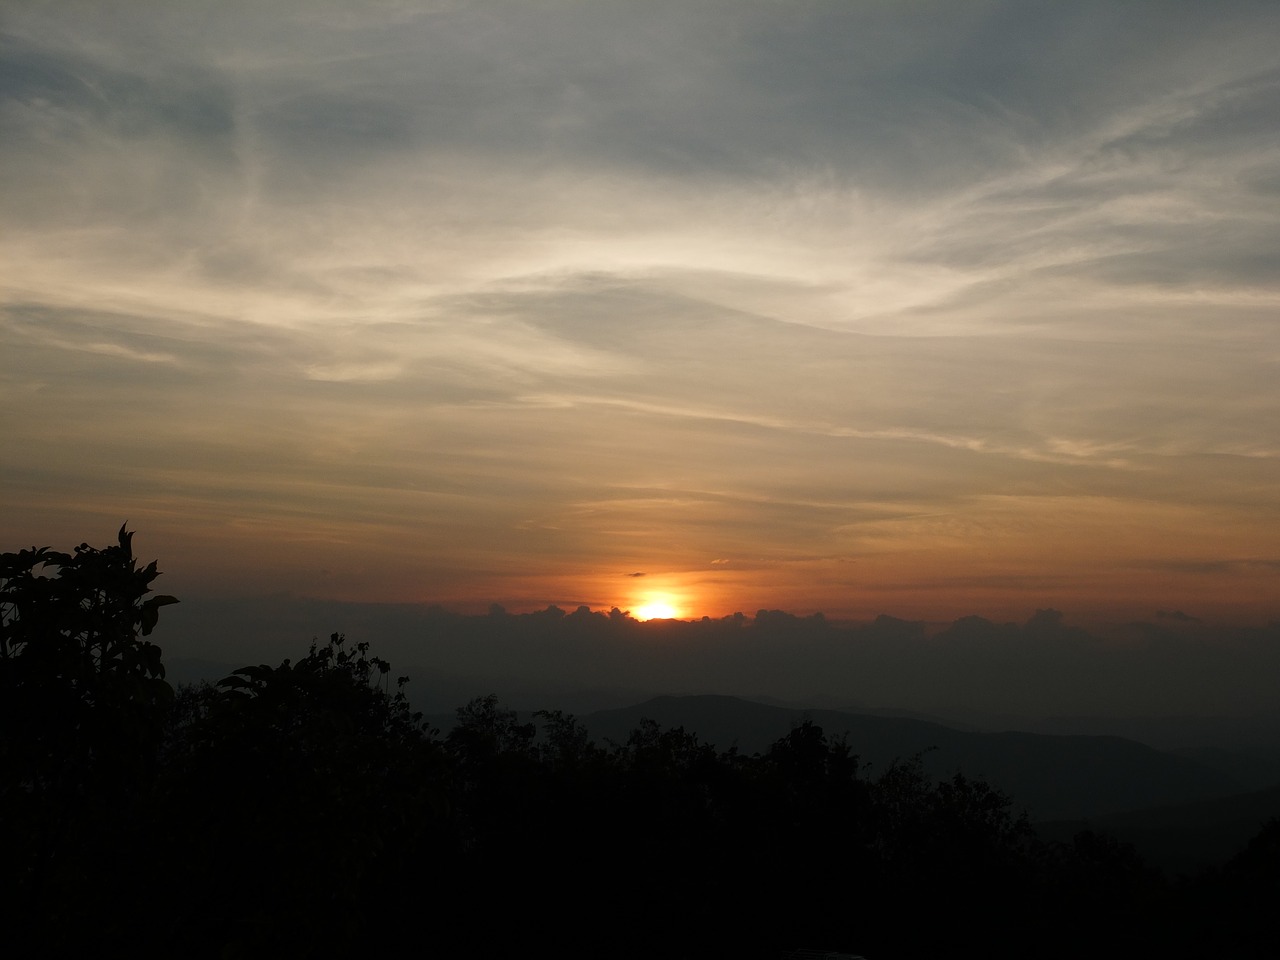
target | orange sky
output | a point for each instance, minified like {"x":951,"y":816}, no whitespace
{"x":837,"y":308}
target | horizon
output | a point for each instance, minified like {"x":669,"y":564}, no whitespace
{"x":1044,"y":665}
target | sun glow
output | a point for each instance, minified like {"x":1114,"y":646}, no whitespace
{"x":656,"y":608}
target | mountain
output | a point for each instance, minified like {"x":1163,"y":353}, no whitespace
{"x":1183,"y":838}
{"x":1052,"y":777}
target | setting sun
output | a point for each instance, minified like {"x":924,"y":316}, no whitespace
{"x":657,"y":608}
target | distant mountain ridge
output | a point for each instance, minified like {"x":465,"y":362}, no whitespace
{"x":1053,"y":777}
{"x":1186,"y":837}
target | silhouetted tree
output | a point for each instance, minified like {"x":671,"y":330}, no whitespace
{"x":288,"y":810}
{"x":324,"y":783}
{"x":1244,"y":894}
{"x":83,"y":702}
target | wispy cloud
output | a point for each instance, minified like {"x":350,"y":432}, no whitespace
{"x":463,"y":276}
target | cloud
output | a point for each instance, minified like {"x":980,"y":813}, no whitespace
{"x":1177,"y":615}
{"x":1214,"y":567}
{"x":624,"y":286}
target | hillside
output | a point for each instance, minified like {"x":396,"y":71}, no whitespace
{"x":1053,"y":777}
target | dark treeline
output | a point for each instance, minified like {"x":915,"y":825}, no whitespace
{"x":305,"y":810}
{"x":972,"y":670}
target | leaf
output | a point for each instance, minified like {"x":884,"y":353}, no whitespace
{"x":151,"y":612}
{"x":126,"y":539}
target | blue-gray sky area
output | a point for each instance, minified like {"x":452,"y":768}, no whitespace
{"x":926,"y":309}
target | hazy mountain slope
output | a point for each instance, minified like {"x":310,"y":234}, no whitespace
{"x":1052,"y":777}
{"x":1183,"y":838}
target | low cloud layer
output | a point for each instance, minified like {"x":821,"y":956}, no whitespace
{"x":973,"y":668}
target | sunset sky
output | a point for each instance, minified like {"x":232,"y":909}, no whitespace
{"x":919,"y":308}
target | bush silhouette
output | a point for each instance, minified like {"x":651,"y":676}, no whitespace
{"x":83,"y":706}
{"x":322,"y":782}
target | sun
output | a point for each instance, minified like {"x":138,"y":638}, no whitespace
{"x":656,"y":608}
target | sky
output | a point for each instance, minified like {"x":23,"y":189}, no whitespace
{"x":927,"y":309}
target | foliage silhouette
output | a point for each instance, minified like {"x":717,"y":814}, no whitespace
{"x":324,"y":780}
{"x":83,"y":704}
{"x":290,"y":810}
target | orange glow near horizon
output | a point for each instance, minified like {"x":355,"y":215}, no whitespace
{"x":657,"y":607}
